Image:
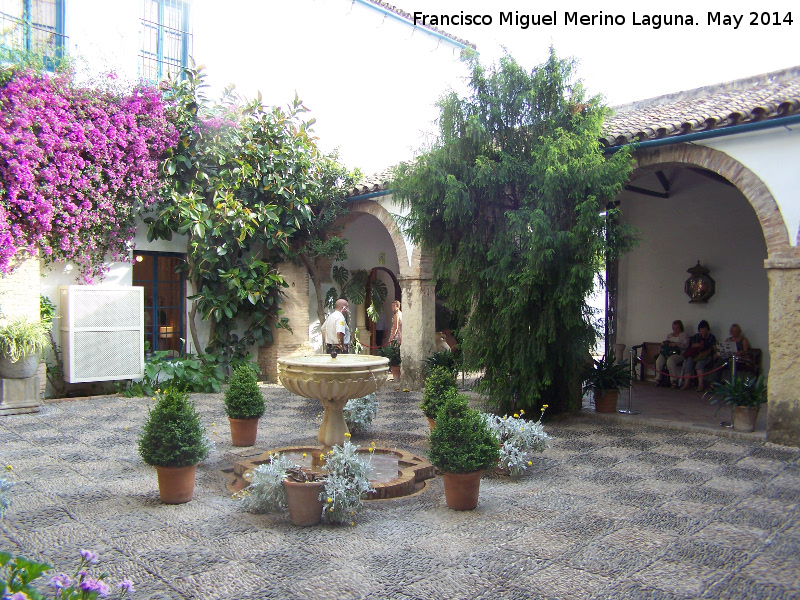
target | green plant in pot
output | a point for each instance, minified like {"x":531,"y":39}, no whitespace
{"x":173,"y":440}
{"x":244,"y":405}
{"x":745,"y":396}
{"x":392,"y":352}
{"x":462,"y":446}
{"x":438,"y":383}
{"x":22,"y":342}
{"x":605,"y":377}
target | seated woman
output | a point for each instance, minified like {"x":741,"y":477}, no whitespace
{"x":672,"y":349}
{"x":743,"y":356}
{"x":701,"y":353}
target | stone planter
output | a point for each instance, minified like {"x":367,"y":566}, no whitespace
{"x":605,"y":401}
{"x":305,"y":506}
{"x":744,"y":418}
{"x":176,"y":484}
{"x":461,"y":489}
{"x":243,"y":431}
{"x":22,"y":369}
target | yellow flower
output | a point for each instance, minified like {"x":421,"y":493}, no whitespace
{"x":330,"y":500}
{"x":351,"y":512}
{"x":347,"y":435}
{"x":372,"y":449}
{"x":351,"y":523}
{"x":331,"y":509}
{"x":372,"y":444}
{"x":9,"y":468}
{"x":522,"y":412}
{"x":213,"y":424}
{"x":545,"y":406}
{"x":304,"y":454}
{"x":330,"y":451}
{"x":322,"y":456}
{"x":530,"y":463}
{"x":516,"y":415}
{"x":126,"y":428}
{"x":154,"y":398}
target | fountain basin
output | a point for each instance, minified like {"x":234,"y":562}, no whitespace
{"x":396,"y":473}
{"x":333,"y":381}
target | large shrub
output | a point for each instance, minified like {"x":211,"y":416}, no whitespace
{"x":462,"y":441}
{"x":244,"y":399}
{"x":437,"y":384}
{"x":76,"y":165}
{"x":173,"y":435}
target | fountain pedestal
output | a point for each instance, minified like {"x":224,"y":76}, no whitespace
{"x":333,"y":381}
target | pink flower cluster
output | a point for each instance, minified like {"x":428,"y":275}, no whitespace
{"x":76,"y":166}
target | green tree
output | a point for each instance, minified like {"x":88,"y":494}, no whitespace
{"x":511,"y":202}
{"x":238,"y":187}
{"x":321,"y":238}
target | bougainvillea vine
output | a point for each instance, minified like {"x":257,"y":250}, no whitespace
{"x":76,"y":165}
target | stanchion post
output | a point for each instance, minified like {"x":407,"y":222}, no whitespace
{"x":629,"y":410}
{"x":727,"y":424}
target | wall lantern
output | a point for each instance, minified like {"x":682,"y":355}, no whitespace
{"x":699,"y":287}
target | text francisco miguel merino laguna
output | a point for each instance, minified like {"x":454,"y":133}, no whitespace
{"x":655,"y":21}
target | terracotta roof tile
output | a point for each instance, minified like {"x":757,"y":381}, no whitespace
{"x":766,"y":96}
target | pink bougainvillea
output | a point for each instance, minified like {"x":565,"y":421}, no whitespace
{"x":76,"y":166}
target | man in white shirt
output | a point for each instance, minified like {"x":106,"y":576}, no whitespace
{"x":335,"y":332}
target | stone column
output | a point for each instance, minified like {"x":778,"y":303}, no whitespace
{"x":783,"y":419}
{"x":419,"y":331}
{"x":295,"y":308}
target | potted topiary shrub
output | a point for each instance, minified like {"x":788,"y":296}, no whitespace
{"x":392,"y":352}
{"x":745,"y":396}
{"x":244,"y":405}
{"x":22,"y":342}
{"x":462,"y":446}
{"x":606,"y":377}
{"x":173,"y":440}
{"x":437,"y":384}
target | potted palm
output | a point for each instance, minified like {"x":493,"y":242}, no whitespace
{"x":462,"y":446}
{"x":392,"y":352}
{"x":745,"y":396}
{"x":22,"y":342}
{"x":173,"y":441}
{"x":244,"y":405}
{"x":437,"y":384}
{"x":606,"y":377}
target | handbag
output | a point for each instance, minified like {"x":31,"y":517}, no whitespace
{"x":667,"y":350}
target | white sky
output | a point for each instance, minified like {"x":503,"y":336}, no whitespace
{"x":371,"y":83}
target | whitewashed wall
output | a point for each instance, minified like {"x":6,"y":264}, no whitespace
{"x":767,"y":153}
{"x":702,"y":220}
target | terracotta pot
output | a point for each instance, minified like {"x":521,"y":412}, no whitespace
{"x":431,"y":423}
{"x":23,"y":368}
{"x":744,"y":418}
{"x":176,"y":484}
{"x":461,"y":489}
{"x":305,"y":507}
{"x":395,"y":373}
{"x":243,"y":431}
{"x":605,"y":401}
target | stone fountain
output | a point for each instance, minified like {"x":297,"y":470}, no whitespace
{"x":333,"y":380}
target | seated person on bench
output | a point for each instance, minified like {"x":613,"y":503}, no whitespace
{"x":701,"y":353}
{"x":672,"y":349}
{"x":744,"y":358}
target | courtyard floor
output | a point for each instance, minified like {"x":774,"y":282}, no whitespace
{"x":617,"y":508}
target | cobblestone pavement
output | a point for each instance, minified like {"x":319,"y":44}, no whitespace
{"x":612,"y":510}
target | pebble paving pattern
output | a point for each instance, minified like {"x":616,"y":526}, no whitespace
{"x":612,"y":510}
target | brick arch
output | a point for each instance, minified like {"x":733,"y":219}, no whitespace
{"x":420,"y":266}
{"x":748,"y":183}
